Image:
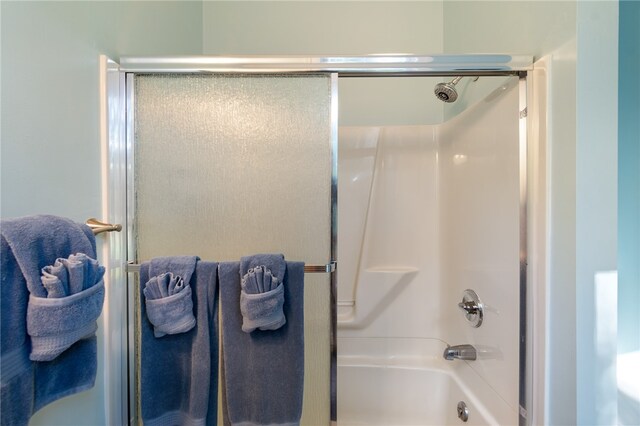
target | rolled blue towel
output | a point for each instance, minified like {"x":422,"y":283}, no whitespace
{"x":262,"y":292}
{"x":261,"y":300}
{"x":55,"y":280}
{"x":55,"y":324}
{"x":70,"y":276}
{"x":70,"y":310}
{"x":167,"y":293}
{"x":169,"y":304}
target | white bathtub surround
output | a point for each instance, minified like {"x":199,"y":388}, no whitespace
{"x":479,"y":232}
{"x":388,"y":184}
{"x":399,"y":383}
{"x":425,"y":213}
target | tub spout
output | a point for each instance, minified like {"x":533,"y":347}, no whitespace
{"x":464,"y":352}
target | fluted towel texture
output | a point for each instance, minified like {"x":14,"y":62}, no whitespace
{"x":75,"y":295}
{"x":262,"y":298}
{"x":262,"y":371}
{"x":169,"y":304}
{"x":29,"y":244}
{"x":178,"y":372}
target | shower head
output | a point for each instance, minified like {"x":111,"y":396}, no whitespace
{"x":446,"y":92}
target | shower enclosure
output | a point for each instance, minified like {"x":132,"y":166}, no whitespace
{"x":430,"y":205}
{"x":429,"y":214}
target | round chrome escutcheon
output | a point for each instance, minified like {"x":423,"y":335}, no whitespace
{"x":463,"y":411}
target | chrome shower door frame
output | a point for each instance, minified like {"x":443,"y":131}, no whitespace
{"x":121,"y":165}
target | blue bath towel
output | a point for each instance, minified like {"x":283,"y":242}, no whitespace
{"x":262,"y":292}
{"x":178,"y":372}
{"x":262,"y":371}
{"x":29,"y":244}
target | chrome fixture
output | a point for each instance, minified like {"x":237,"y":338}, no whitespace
{"x":98,"y":227}
{"x":463,"y":411}
{"x":463,"y":352}
{"x":472,"y":307}
{"x":308,"y":269}
{"x":446,"y":92}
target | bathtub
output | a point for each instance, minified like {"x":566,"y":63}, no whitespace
{"x":415,"y":391}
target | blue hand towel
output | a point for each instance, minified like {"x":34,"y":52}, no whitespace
{"x":28,"y":245}
{"x":168,"y":294}
{"x":263,"y":371}
{"x":178,"y":373}
{"x":262,"y":292}
{"x":169,"y":304}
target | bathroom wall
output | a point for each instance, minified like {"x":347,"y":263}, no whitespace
{"x":50,"y":121}
{"x":596,"y":209}
{"x":50,"y":92}
{"x":321,"y":27}
{"x":523,"y":27}
{"x":526,"y":27}
{"x":628,"y":212}
{"x":629,"y":177}
{"x":338,"y":28}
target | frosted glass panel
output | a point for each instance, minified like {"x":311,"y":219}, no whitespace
{"x":227,"y":166}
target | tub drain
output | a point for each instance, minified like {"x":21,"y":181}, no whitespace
{"x":463,"y":411}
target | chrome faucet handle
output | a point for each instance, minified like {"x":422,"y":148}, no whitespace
{"x":472,"y":307}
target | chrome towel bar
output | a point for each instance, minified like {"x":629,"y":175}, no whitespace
{"x":308,"y":269}
{"x":99,"y":227}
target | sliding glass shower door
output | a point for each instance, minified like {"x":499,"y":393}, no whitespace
{"x":231,"y":165}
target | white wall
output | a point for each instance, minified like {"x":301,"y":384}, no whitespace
{"x":596,"y":206}
{"x":50,"y":146}
{"x":50,"y":115}
{"x":512,"y":27}
{"x":321,"y":27}
{"x":525,"y":27}
{"x":560,"y":385}
{"x":338,"y":28}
